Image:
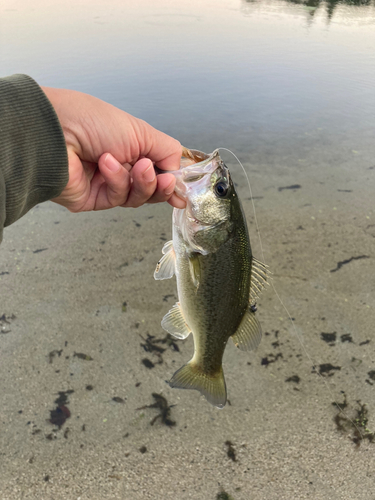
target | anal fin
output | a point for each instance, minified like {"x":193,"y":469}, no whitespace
{"x":249,"y":333}
{"x":174,"y":323}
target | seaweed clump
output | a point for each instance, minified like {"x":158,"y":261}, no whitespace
{"x":165,"y":410}
{"x":151,"y":345}
{"x":355,"y":426}
{"x":59,"y":415}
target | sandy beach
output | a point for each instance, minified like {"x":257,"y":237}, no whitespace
{"x":83,"y":311}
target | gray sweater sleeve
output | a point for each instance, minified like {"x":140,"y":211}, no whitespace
{"x":33,"y":156}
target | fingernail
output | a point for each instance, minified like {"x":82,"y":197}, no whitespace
{"x":111,"y":163}
{"x":149,"y":174}
{"x":169,"y":190}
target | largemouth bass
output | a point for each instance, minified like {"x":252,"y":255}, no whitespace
{"x":218,"y":279}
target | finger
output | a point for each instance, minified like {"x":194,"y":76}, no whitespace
{"x":176,"y":201}
{"x":164,"y":189}
{"x":144,"y":183}
{"x":159,"y":147}
{"x":115,"y":190}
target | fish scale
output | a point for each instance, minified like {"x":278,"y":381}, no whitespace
{"x":217,"y":276}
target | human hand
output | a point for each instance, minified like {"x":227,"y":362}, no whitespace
{"x":111,"y":155}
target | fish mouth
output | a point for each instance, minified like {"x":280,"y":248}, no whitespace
{"x":193,"y":160}
{"x":194,"y":155}
{"x":194,"y":166}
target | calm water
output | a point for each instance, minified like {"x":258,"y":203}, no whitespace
{"x":250,"y":75}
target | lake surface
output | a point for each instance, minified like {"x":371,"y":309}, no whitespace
{"x":289,"y":87}
{"x":236,"y":73}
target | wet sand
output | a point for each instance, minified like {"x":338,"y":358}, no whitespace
{"x":80,"y":300}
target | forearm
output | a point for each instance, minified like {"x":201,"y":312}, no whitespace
{"x":33,"y":156}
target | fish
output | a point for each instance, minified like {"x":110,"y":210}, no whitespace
{"x":218,"y":279}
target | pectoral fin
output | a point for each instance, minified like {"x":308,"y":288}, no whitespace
{"x":165,"y":268}
{"x":249,"y":333}
{"x":195,"y":269}
{"x":259,"y":278}
{"x":213,"y":388}
{"x":174,"y":323}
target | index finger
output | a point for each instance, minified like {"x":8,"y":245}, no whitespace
{"x":162,"y":149}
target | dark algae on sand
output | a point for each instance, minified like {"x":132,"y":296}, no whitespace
{"x":61,"y":413}
{"x":164,"y":408}
{"x":353,"y":421}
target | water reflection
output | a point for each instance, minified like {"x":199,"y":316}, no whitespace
{"x":329,"y":6}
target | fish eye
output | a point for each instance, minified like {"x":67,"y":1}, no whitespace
{"x":221,"y":189}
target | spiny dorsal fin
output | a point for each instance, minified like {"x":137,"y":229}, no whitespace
{"x":174,"y":323}
{"x":249,"y":333}
{"x":259,"y":278}
{"x":165,"y":268}
{"x":191,"y":376}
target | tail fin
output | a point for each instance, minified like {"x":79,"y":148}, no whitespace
{"x":190,"y":376}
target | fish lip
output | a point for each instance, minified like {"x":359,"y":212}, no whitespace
{"x":195,"y":166}
{"x":199,"y":169}
{"x":198,"y":153}
{"x":207,"y":158}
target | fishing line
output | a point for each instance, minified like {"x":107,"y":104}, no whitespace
{"x":284,"y":306}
